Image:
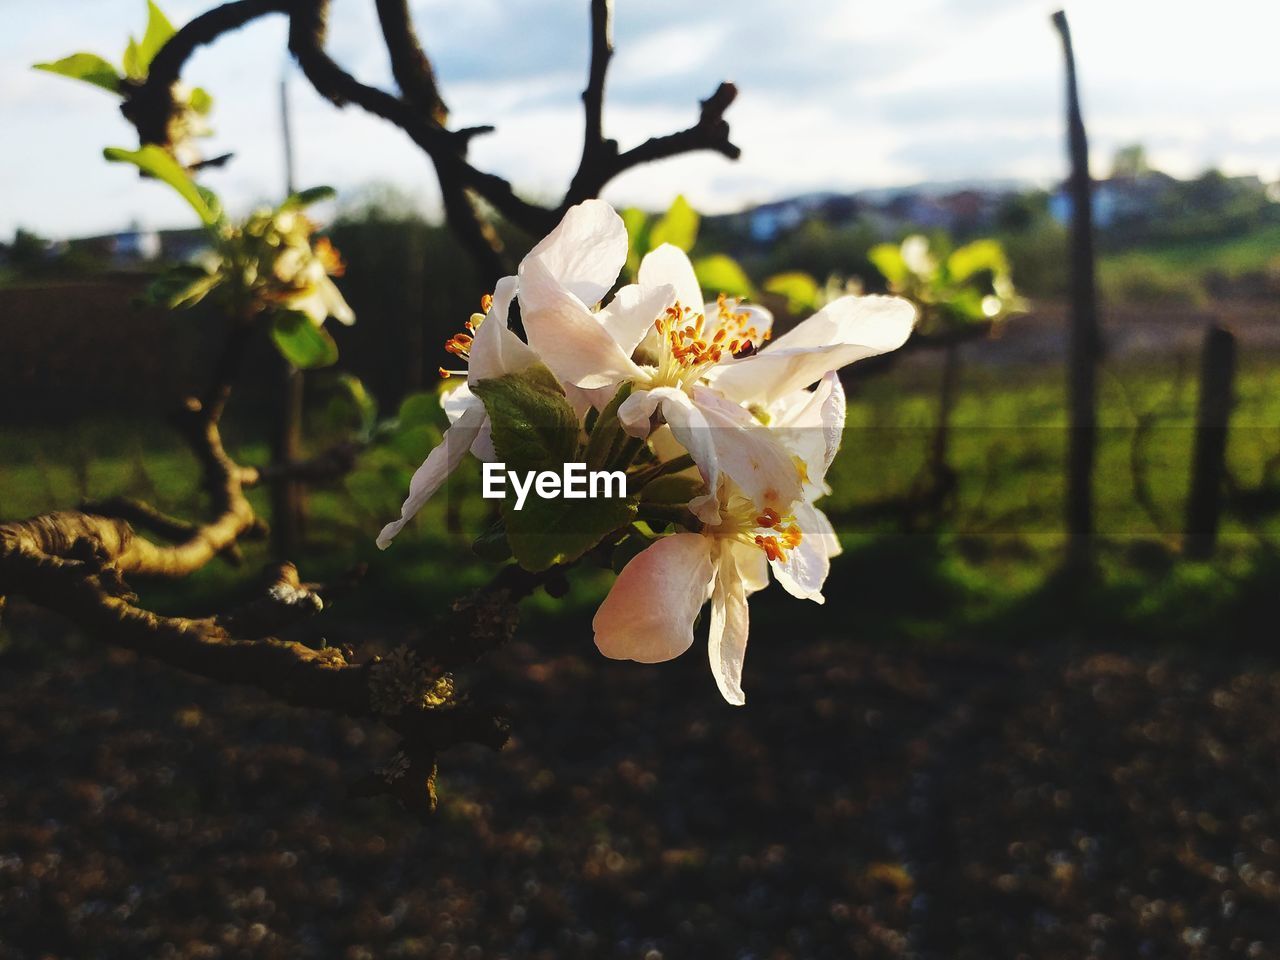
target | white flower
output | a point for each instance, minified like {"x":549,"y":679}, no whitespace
{"x":493,"y":352}
{"x":567,"y":274}
{"x":678,"y":352}
{"x":649,"y":613}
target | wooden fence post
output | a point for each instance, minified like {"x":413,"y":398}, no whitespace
{"x":1208,"y":463}
{"x":1085,"y":340}
{"x":288,"y":497}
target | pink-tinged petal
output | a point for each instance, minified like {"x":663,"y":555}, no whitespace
{"x":668,"y":265}
{"x":566,"y":335}
{"x":584,"y":252}
{"x":583,"y":400}
{"x":805,"y":569}
{"x":845,"y":330}
{"x":496,"y":349}
{"x":689,"y":428}
{"x":635,"y":413}
{"x":747,"y":451}
{"x":631,"y":314}
{"x":440,"y":462}
{"x":727,"y":640}
{"x":648,"y":615}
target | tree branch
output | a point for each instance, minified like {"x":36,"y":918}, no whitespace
{"x":409,"y":63}
{"x":416,"y":78}
{"x":150,"y":104}
{"x":306,"y":40}
{"x":420,"y":112}
{"x":711,"y":132}
{"x":596,"y":150}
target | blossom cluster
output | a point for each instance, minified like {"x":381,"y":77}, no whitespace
{"x":274,"y":259}
{"x":688,"y":391}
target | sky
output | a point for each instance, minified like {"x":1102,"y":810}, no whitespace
{"x":835,"y":95}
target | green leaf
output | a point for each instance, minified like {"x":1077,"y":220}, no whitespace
{"x":977,"y":257}
{"x":548,"y":532}
{"x":630,"y":546}
{"x":721,"y":274}
{"x":535,"y":429}
{"x":887,"y":258}
{"x":88,"y":67}
{"x":637,"y":224}
{"x":301,"y":342}
{"x":966,"y":306}
{"x":132,"y":61}
{"x":800,"y":290}
{"x":366,"y":406}
{"x":673,"y":489}
{"x":305,"y":198}
{"x":201,"y":100}
{"x":153,"y":160}
{"x":678,"y":226}
{"x":492,"y":545}
{"x":412,"y":442}
{"x":420,"y":408}
{"x":158,"y":32}
{"x":182,"y":286}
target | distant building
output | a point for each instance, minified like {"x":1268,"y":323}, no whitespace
{"x":136,"y":246}
{"x":1118,"y":200}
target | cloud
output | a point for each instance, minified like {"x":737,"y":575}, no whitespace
{"x":835,"y":94}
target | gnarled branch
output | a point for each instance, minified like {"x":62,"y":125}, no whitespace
{"x":420,"y":112}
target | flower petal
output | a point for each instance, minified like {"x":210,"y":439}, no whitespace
{"x":747,"y":451}
{"x":585,"y":251}
{"x":457,"y":402}
{"x":691,"y":431}
{"x":440,"y":462}
{"x":631,"y":314}
{"x":648,"y":615}
{"x":668,"y":265}
{"x":753,"y":566}
{"x":335,"y":305}
{"x":727,"y":640}
{"x":810,"y":424}
{"x":824,"y":529}
{"x":566,"y":335}
{"x":496,"y":349}
{"x":845,"y":330}
{"x":805,"y":569}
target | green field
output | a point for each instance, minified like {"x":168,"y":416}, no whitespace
{"x":984,"y":560}
{"x":1176,"y":271}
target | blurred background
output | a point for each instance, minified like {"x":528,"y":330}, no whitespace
{"x":967,"y":752}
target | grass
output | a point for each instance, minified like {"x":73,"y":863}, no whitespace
{"x":1232,"y":255}
{"x":1176,"y":271}
{"x":984,"y":564}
